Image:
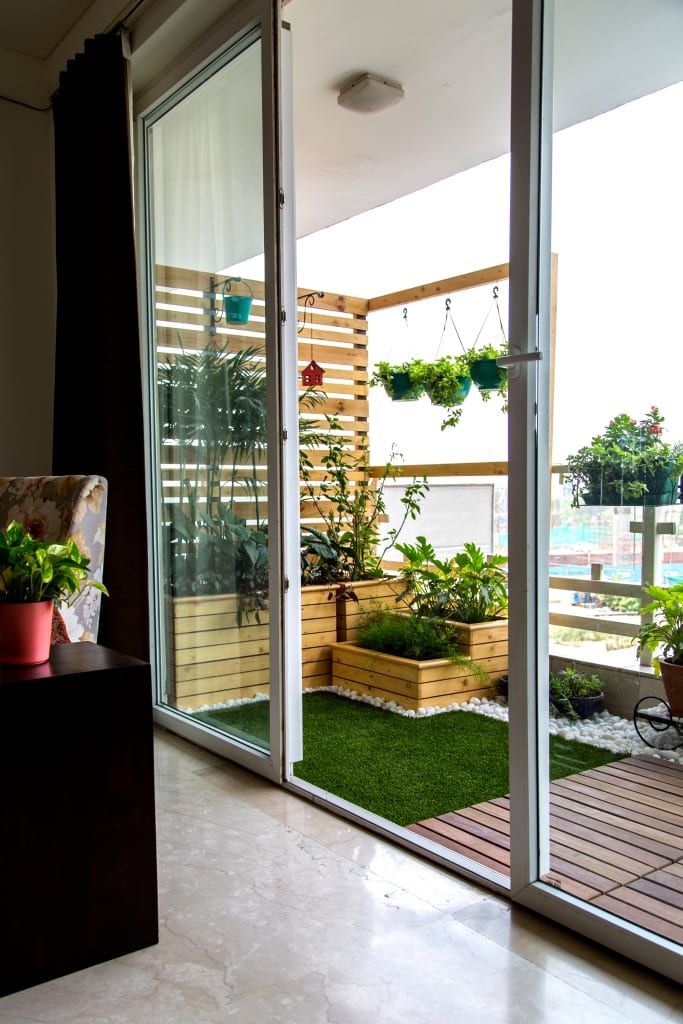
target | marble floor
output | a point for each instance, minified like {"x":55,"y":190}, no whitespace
{"x":273,"y":910}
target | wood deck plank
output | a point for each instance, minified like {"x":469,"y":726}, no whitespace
{"x":616,"y":840}
{"x":639,"y":917}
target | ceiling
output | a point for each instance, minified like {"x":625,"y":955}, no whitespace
{"x":452,"y":57}
{"x":36,"y":27}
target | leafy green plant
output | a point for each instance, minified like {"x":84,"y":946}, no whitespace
{"x":351,"y":503}
{"x":212,"y":407}
{"x":389,"y":377}
{"x":410,"y":636}
{"x":665,"y":633}
{"x":38,"y":570}
{"x":486,"y":352}
{"x":469,"y":587}
{"x":627,"y":462}
{"x":571,"y":683}
{"x":447,"y":382}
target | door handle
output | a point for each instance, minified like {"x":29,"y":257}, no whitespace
{"x":513,"y":361}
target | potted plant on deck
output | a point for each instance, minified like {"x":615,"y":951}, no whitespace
{"x":34,"y":574}
{"x":665,"y":635}
{"x":576,"y":694}
{"x":630,"y":463}
{"x":469,"y":591}
{"x":409,"y":659}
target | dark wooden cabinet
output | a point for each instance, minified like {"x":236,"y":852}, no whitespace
{"x":77,"y":831}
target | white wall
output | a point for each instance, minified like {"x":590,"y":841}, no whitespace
{"x":27,"y":276}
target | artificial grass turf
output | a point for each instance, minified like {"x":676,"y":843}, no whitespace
{"x":404,"y":769}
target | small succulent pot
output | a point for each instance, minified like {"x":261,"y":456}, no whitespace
{"x":487,"y":375}
{"x":456,"y":397}
{"x":672,"y":678}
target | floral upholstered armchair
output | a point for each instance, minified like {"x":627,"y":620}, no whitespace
{"x":57,"y":507}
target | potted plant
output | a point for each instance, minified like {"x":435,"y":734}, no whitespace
{"x":630,"y":463}
{"x":402,"y":383}
{"x":665,"y":635}
{"x":447,"y":383}
{"x":469,"y":591}
{"x":34,"y":574}
{"x":576,"y":694}
{"x":485,"y":372}
{"x":409,"y":659}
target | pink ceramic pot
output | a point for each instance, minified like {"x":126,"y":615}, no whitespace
{"x":25,"y":632}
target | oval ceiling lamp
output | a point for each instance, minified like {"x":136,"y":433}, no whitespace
{"x":368,"y":94}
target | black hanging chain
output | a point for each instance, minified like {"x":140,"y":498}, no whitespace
{"x":449,"y":316}
{"x":494,"y":302}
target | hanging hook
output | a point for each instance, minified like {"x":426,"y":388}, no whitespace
{"x":405,"y":315}
{"x":309,"y":300}
{"x":495,"y":292}
{"x":448,"y":305}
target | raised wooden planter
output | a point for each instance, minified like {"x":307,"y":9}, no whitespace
{"x":212,"y":659}
{"x":371,"y":594}
{"x":487,"y":644}
{"x":411,"y":684}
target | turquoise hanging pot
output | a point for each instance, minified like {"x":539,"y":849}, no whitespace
{"x":237,"y":308}
{"x":487,"y":375}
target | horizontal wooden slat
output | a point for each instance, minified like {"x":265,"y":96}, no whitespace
{"x":461,"y":282}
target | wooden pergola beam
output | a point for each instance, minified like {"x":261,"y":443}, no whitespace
{"x":474,"y":279}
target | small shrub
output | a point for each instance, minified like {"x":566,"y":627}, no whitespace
{"x":572,"y":683}
{"x":409,"y":636}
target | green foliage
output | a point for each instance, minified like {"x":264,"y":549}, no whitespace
{"x":409,"y":636}
{"x":470,"y":587}
{"x":615,"y":466}
{"x":570,"y":682}
{"x":212,"y":409}
{"x":447,"y":382}
{"x":37,"y":570}
{"x":386,"y":373}
{"x":473,"y":355}
{"x":666,"y":631}
{"x":625,"y":605}
{"x":352,"y":505}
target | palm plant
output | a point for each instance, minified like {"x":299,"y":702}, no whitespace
{"x":212,"y":407}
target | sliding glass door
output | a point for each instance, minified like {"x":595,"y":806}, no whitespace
{"x":216,"y":305}
{"x":597,"y":804}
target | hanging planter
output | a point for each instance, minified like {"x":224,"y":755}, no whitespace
{"x":447,"y":382}
{"x":487,"y":375}
{"x":404,"y":383}
{"x":628,"y":464}
{"x":236,"y":308}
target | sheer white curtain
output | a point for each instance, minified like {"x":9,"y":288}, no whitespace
{"x":207,"y":166}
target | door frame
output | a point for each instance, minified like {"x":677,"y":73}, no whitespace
{"x":529,"y":481}
{"x":252,"y":21}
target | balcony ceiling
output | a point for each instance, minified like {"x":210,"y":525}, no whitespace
{"x":452,"y":57}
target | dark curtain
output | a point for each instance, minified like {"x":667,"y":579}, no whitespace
{"x":98,"y":418}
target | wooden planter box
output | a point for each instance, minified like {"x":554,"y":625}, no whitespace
{"x":411,"y":684}
{"x":371,"y":594}
{"x":212,"y":659}
{"x":487,"y":644}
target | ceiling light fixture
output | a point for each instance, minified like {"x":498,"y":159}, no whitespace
{"x":369,"y":94}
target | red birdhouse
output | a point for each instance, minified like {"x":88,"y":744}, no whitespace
{"x":312,"y":375}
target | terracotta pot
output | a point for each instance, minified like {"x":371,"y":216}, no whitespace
{"x":25,"y":632}
{"x":672,"y":677}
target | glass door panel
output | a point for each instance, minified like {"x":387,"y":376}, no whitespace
{"x":610,"y":818}
{"x":217,"y":490}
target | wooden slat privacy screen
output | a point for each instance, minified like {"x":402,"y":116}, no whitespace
{"x":333,"y":332}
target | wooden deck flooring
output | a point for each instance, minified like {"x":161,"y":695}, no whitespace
{"x":616,"y":839}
